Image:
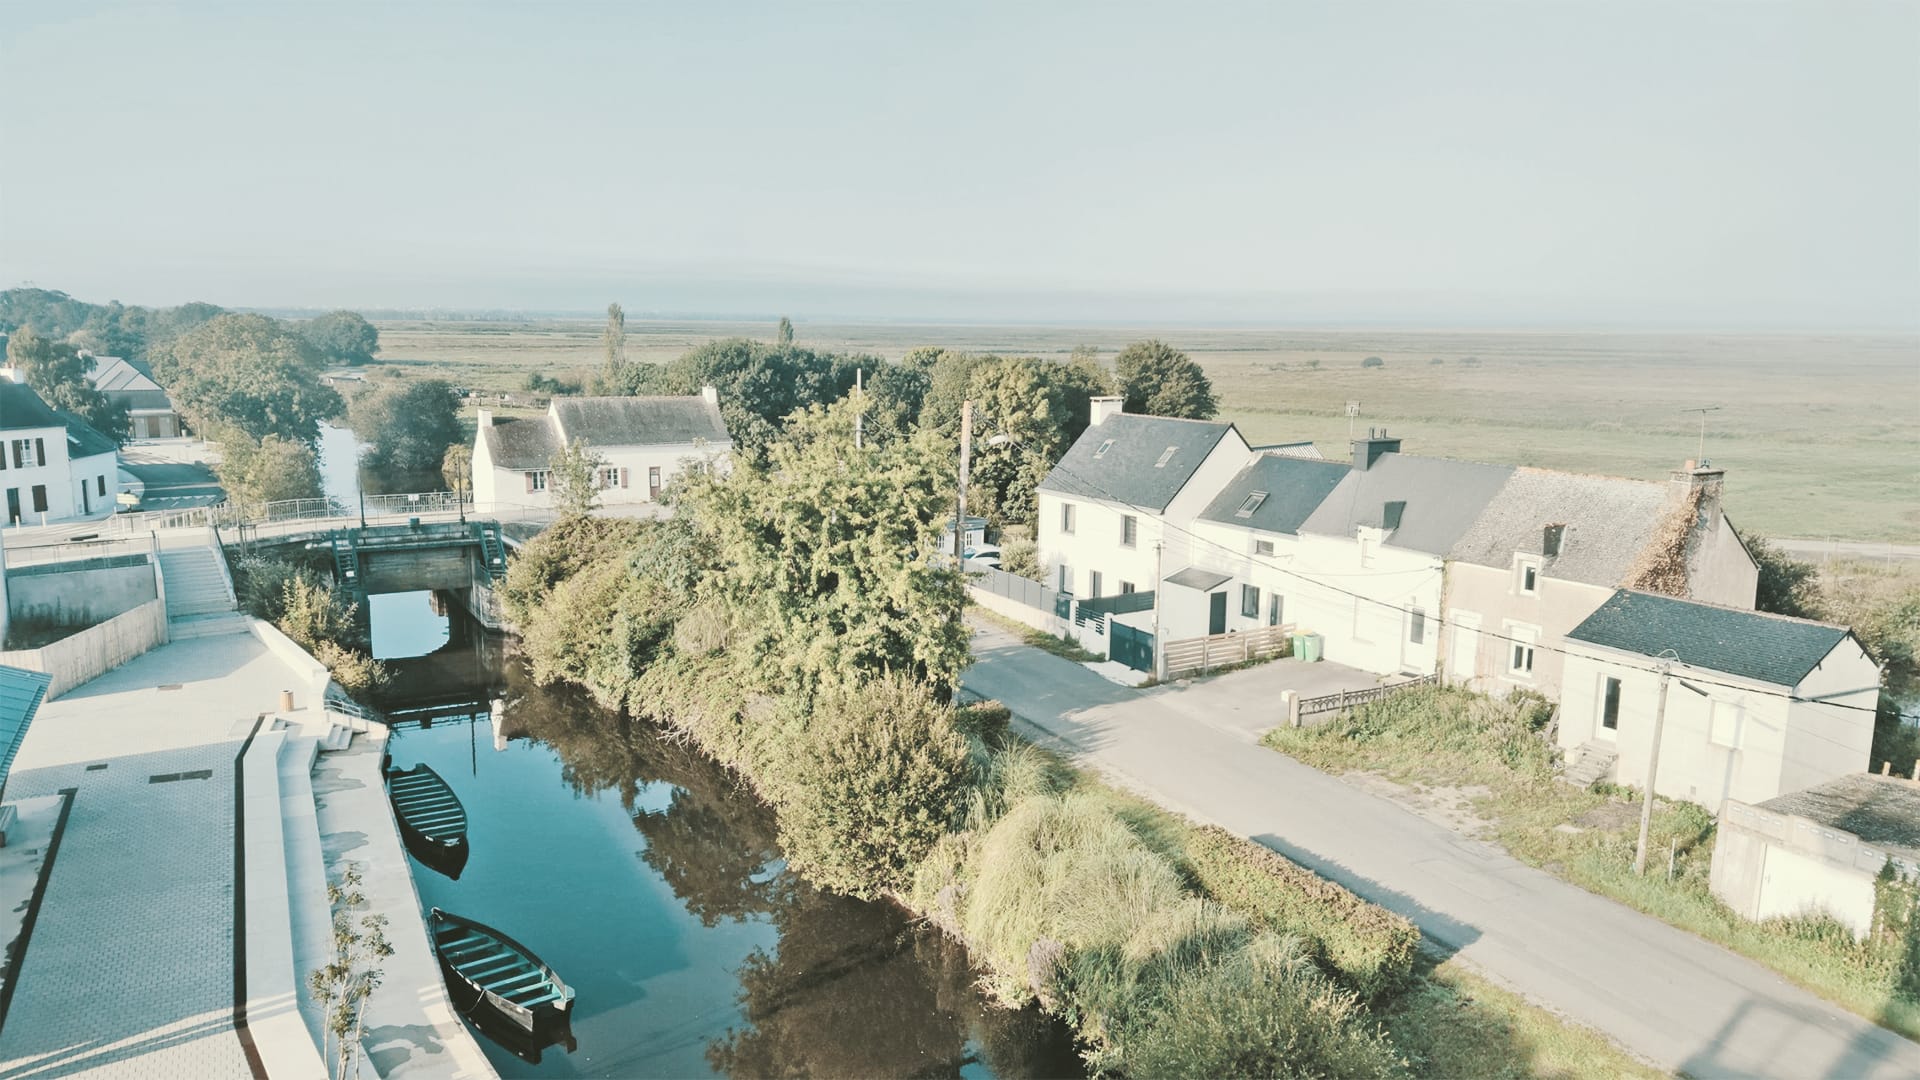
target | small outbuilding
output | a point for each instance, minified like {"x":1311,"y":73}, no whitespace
{"x":1818,"y":850}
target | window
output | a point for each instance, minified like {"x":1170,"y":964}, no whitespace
{"x":39,"y":498}
{"x":1724,"y":727}
{"x":1250,"y":601}
{"x":1521,"y":662}
{"x":1610,"y":704}
{"x":1263,"y":547}
{"x":1065,"y":578}
{"x":1093,"y":584}
{"x":1416,"y":627}
{"x":1366,"y":550}
{"x":1276,"y":607}
{"x":1129,"y":531}
{"x":537,"y":480}
{"x":20,"y":453}
{"x":1553,"y":540}
{"x":1166,"y":457}
{"x":1251,"y":504}
{"x":1066,"y":519}
{"x":1528,"y":578}
{"x":1127,"y":588}
{"x":610,"y":477}
{"x":100,"y":480}
{"x":1102,"y":452}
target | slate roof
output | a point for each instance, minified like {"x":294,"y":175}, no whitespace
{"x":1443,"y":498}
{"x":21,"y":693}
{"x":521,"y":444}
{"x":128,"y":384}
{"x":21,"y":408}
{"x":83,"y":440}
{"x":1293,"y":487}
{"x":1129,"y":470}
{"x":1881,"y":810}
{"x":641,"y":421}
{"x":1609,"y":520}
{"x":1753,"y":645}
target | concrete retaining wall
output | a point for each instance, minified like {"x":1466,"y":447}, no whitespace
{"x":96,"y":650}
{"x":80,"y":593}
{"x":311,"y":672}
{"x":1091,"y":637}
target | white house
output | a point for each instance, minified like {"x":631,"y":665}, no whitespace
{"x":1756,"y":705}
{"x":1818,"y":850}
{"x":1550,"y":547}
{"x":53,"y":466}
{"x":1377,"y":546}
{"x":642,"y":443}
{"x":1115,"y":509}
{"x":130,"y":385}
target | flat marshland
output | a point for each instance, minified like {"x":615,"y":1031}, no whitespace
{"x":1819,"y":434}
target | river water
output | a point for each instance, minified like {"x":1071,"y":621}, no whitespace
{"x":653,"y":883}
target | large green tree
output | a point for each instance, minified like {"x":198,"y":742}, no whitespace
{"x":58,"y":373}
{"x":248,"y":371}
{"x":273,"y":469}
{"x":407,"y":424}
{"x":1157,"y":379}
{"x":342,"y":337}
{"x":573,"y":479}
{"x":1040,"y":407}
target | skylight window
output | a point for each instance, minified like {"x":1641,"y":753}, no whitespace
{"x":1102,"y":452}
{"x":1253,"y":503}
{"x":1166,"y":457}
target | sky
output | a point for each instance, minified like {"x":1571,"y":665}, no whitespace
{"x":1727,"y":165}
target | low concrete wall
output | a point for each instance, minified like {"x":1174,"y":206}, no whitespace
{"x":310,"y":671}
{"x":1091,"y":637}
{"x":82,"y":593}
{"x":96,"y":650}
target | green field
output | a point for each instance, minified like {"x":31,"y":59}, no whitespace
{"x":1817,"y":432}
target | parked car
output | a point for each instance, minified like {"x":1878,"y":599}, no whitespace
{"x":983,"y":555}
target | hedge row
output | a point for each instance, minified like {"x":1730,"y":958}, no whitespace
{"x":1364,"y":945}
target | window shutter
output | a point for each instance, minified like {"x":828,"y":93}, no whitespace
{"x":529,"y":477}
{"x":623,"y":476}
{"x":40,"y":450}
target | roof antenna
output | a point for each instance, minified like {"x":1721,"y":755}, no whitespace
{"x":1700,"y":456}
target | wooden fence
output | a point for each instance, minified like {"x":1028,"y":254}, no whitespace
{"x":1352,"y":699}
{"x":1189,"y":655}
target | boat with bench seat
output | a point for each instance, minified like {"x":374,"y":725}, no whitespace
{"x":490,"y":975}
{"x":432,"y":822}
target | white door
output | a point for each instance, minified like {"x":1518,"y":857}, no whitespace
{"x":1463,"y":652}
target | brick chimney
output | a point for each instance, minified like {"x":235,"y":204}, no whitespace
{"x":1701,"y":476}
{"x":1368,"y":450}
{"x":483,"y":418}
{"x":1103,"y":407}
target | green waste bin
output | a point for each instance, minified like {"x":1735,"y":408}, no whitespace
{"x":1310,"y":646}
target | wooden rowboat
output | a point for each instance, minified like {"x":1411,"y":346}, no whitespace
{"x":432,"y":822}
{"x":490,"y":974}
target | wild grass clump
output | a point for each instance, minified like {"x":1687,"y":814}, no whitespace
{"x":1365,"y":946}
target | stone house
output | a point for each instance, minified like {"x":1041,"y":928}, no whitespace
{"x":642,"y":443}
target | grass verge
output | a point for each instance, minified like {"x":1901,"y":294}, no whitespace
{"x":1039,"y":639}
{"x":1445,"y":737}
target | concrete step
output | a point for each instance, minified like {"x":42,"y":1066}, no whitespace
{"x":310,"y":915}
{"x":1589,"y":764}
{"x":337,"y":738}
{"x":196,"y":582}
{"x":211,"y":624}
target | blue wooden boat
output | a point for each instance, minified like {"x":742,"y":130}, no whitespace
{"x":432,"y":822}
{"x":491,"y":975}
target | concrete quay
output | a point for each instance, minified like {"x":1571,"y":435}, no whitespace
{"x":185,"y":900}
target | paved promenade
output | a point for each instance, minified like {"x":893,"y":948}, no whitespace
{"x":1677,"y":1000}
{"x":130,"y":968}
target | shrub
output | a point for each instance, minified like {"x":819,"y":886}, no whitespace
{"x":356,"y":672}
{"x":1373,"y":362}
{"x":1021,"y":558}
{"x":878,"y":775}
{"x":1364,"y":945}
{"x":313,"y":615}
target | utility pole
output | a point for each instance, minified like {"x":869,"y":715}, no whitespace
{"x":966,"y":464}
{"x":1667,"y":656}
{"x":1159,"y":591}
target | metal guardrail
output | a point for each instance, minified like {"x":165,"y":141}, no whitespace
{"x":1353,"y":699}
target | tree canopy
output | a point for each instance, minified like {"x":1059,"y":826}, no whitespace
{"x":269,"y":470}
{"x":1157,"y":379}
{"x":110,"y":329}
{"x":251,"y":372}
{"x":573,"y":479}
{"x":407,"y":424}
{"x":342,"y":337}
{"x":58,"y":373}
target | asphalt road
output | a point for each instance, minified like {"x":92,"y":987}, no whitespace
{"x":1672,"y":998}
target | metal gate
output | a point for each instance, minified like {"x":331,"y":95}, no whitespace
{"x":1131,"y":647}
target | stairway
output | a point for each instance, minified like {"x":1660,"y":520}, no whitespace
{"x":1590,"y":763}
{"x":196,"y":582}
{"x":492,"y":551}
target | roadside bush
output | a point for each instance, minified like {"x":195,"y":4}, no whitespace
{"x":313,"y":615}
{"x":1364,"y":945}
{"x":878,"y":775}
{"x":1021,"y":558}
{"x":1373,"y":362}
{"x":260,"y":584}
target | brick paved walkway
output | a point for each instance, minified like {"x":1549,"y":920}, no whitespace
{"x":130,"y":968}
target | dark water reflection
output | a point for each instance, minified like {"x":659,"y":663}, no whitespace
{"x":654,"y":884}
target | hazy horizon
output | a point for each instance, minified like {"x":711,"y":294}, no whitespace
{"x":1569,"y":166}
